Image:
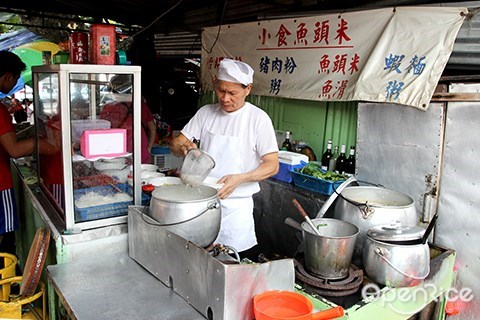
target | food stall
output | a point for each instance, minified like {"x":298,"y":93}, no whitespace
{"x":173,"y":267}
{"x":157,"y":270}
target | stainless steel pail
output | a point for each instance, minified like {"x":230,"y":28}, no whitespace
{"x":330,"y":254}
{"x":193,"y":213}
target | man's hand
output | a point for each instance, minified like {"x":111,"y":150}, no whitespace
{"x":230,"y":183}
{"x":267,"y":168}
{"x":180,"y":145}
{"x":187,"y":145}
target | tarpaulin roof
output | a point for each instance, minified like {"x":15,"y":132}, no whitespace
{"x":193,"y":15}
{"x":11,"y":40}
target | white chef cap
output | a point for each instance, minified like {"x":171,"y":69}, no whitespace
{"x":235,"y":71}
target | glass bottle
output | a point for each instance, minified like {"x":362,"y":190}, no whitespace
{"x":341,"y":161}
{"x":327,"y":155}
{"x":350,"y":165}
{"x":333,"y":160}
{"x":287,"y":145}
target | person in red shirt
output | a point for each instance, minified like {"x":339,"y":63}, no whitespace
{"x":18,"y":111}
{"x":120,"y":115}
{"x":11,"y":66}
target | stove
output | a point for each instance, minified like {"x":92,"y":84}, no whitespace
{"x":329,"y":287}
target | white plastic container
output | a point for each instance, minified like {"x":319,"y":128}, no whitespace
{"x":78,"y":126}
{"x":291,"y":158}
{"x":289,"y":161}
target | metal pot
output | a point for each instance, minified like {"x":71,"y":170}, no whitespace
{"x":394,"y":255}
{"x":329,"y":254}
{"x":191,"y":212}
{"x":366,"y":207}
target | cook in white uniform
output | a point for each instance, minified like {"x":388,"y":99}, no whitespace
{"x":241,"y":139}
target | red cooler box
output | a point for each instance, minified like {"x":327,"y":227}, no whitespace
{"x":103,"y":44}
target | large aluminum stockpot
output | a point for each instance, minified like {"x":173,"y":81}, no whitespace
{"x":191,"y":212}
{"x":367,"y":206}
{"x":394,"y":255}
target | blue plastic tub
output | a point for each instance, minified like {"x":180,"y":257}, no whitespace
{"x":315,"y":184}
{"x":285,"y":172}
{"x":105,"y":210}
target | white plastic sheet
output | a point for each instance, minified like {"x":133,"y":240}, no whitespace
{"x":394,"y":55}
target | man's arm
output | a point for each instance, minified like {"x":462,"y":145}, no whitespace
{"x":19,"y":148}
{"x":180,"y":145}
{"x":14,"y":148}
{"x":268,"y":167}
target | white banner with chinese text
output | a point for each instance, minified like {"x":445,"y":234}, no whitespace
{"x":392,"y":55}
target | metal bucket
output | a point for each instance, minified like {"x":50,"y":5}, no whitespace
{"x":330,"y":254}
{"x":367,"y":207}
{"x":193,"y":213}
{"x":397,"y":255}
{"x":396,"y":265}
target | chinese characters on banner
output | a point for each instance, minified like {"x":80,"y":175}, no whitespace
{"x":385,"y":55}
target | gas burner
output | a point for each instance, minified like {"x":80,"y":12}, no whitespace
{"x":330,"y":287}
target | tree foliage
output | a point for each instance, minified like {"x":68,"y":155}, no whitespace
{"x":5,"y":21}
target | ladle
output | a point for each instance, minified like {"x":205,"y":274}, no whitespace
{"x":333,"y":196}
{"x":430,"y":226}
{"x":305,"y":216}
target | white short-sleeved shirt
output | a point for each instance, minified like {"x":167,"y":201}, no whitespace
{"x":250,"y":124}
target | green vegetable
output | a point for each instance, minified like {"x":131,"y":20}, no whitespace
{"x":314,"y":170}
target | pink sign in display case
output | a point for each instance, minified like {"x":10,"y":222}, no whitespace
{"x":103,"y":143}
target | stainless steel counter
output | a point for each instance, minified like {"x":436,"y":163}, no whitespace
{"x":115,"y":287}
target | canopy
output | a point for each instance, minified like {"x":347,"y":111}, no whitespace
{"x":31,"y":55}
{"x":13,"y":39}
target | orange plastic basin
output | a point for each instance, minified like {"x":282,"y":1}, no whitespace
{"x":288,"y":305}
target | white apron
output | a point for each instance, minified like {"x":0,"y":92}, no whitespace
{"x":237,"y":227}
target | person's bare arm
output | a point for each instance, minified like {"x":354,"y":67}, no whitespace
{"x":14,"y":148}
{"x":180,"y":145}
{"x":151,"y":134}
{"x":267,"y":168}
{"x":20,"y":148}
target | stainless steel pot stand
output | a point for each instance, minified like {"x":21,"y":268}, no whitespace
{"x":217,"y":290}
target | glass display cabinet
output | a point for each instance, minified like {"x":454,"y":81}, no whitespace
{"x":87,"y":123}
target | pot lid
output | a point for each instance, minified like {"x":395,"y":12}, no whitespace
{"x":395,"y":232}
